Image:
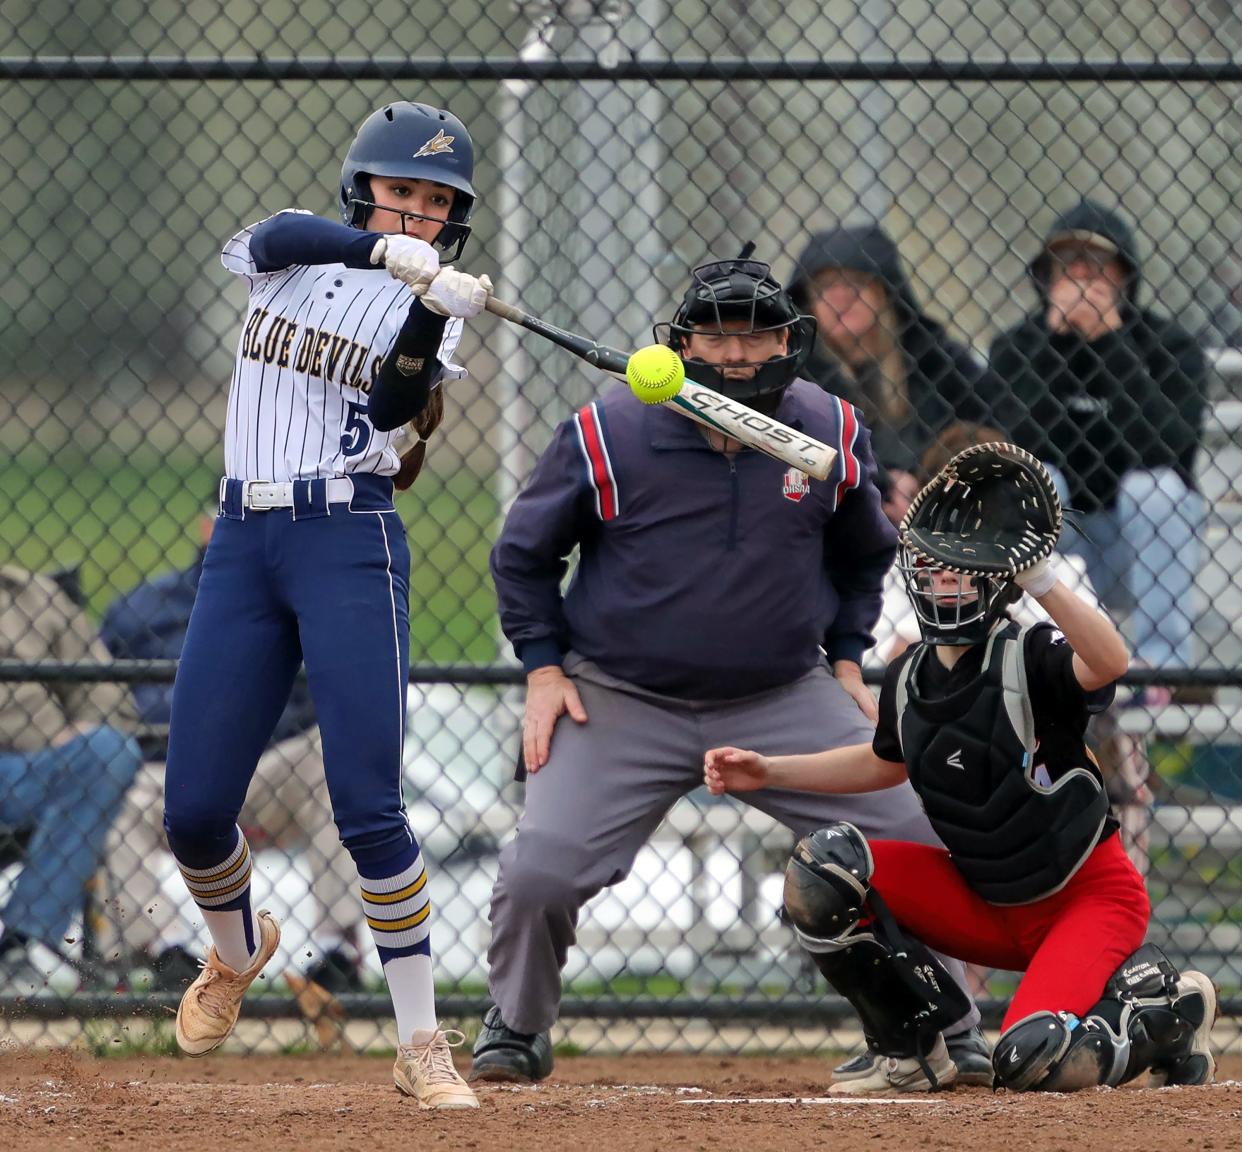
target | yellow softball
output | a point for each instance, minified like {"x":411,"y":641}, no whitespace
{"x":655,"y":373}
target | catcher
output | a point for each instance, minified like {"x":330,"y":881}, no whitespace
{"x":987,"y":719}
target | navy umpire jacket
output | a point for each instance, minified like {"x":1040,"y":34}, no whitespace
{"x":699,"y":576}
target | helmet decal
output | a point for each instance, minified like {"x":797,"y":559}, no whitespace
{"x":437,"y":144}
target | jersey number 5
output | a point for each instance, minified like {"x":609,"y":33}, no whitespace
{"x":357,"y":434}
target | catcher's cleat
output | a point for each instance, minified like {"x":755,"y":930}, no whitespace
{"x":970,"y":1052}
{"x":1196,"y":1002}
{"x":902,"y":1074}
{"x":859,"y":1068}
{"x":209,"y":1008}
{"x":501,"y":1054}
{"x":424,"y":1070}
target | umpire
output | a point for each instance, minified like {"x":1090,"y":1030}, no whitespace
{"x":719,"y":596}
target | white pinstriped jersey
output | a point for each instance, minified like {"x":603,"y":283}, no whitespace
{"x":314,"y":337}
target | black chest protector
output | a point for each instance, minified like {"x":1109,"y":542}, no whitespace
{"x":971,"y":759}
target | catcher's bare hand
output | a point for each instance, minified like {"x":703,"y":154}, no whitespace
{"x":550,"y":694}
{"x":734,"y":770}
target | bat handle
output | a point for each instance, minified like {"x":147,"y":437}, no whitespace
{"x":505,"y":311}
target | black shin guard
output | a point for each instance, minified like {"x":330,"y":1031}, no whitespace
{"x":1166,"y":1017}
{"x":1148,"y":1018}
{"x":901,"y":992}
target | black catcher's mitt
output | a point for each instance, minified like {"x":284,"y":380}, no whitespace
{"x":991,"y":511}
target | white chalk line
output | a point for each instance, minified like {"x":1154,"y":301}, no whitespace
{"x":817,"y":1100}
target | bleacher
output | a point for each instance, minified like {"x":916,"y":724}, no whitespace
{"x":1219,"y":470}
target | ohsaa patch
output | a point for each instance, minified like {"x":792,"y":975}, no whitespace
{"x":796,"y":484}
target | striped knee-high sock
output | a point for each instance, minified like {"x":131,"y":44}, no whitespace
{"x":398,"y":910}
{"x":222,"y":894}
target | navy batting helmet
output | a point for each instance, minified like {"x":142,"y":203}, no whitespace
{"x":420,"y":143}
{"x":741,"y":290}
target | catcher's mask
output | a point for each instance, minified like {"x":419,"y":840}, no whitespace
{"x":953,"y":607}
{"x":741,"y":290}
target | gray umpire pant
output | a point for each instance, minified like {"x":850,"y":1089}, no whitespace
{"x":608,"y":784}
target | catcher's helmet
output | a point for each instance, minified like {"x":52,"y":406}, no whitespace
{"x":420,"y":143}
{"x":745,"y":290}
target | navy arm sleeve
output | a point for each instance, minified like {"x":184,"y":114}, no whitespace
{"x":530,"y":557}
{"x":860,"y":546}
{"x":290,"y":238}
{"x":403,"y":383}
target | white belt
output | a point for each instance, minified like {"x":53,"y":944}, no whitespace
{"x":260,"y":495}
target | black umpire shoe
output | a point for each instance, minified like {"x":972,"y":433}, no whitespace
{"x":501,"y":1054}
{"x":972,"y":1054}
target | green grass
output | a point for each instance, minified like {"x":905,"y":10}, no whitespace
{"x":113,"y":1039}
{"x":125,"y":517}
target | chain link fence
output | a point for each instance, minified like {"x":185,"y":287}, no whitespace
{"x":619,"y":144}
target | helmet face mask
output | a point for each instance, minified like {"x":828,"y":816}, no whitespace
{"x":412,"y":142}
{"x":737,"y":297}
{"x":952,"y":607}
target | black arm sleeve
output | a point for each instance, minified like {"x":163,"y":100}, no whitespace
{"x":886,"y":743}
{"x":400,"y":389}
{"x":290,"y":238}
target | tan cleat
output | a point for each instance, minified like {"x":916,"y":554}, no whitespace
{"x":424,"y":1070}
{"x":211,"y":1004}
{"x":892,"y":1074}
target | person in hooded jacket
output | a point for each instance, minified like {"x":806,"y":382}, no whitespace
{"x":879,"y":350}
{"x":1111,"y":396}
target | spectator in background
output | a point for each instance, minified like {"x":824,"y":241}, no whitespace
{"x":65,"y":763}
{"x":1224,"y":327}
{"x":1111,"y":396}
{"x":879,"y":350}
{"x":289,"y":796}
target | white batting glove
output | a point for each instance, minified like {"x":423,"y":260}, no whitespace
{"x":1038,"y":579}
{"x":413,"y":262}
{"x":454,"y":293}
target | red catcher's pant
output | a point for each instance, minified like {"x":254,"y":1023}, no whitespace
{"x":1067,"y":944}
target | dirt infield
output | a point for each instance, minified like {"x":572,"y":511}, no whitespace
{"x":62,"y":1100}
